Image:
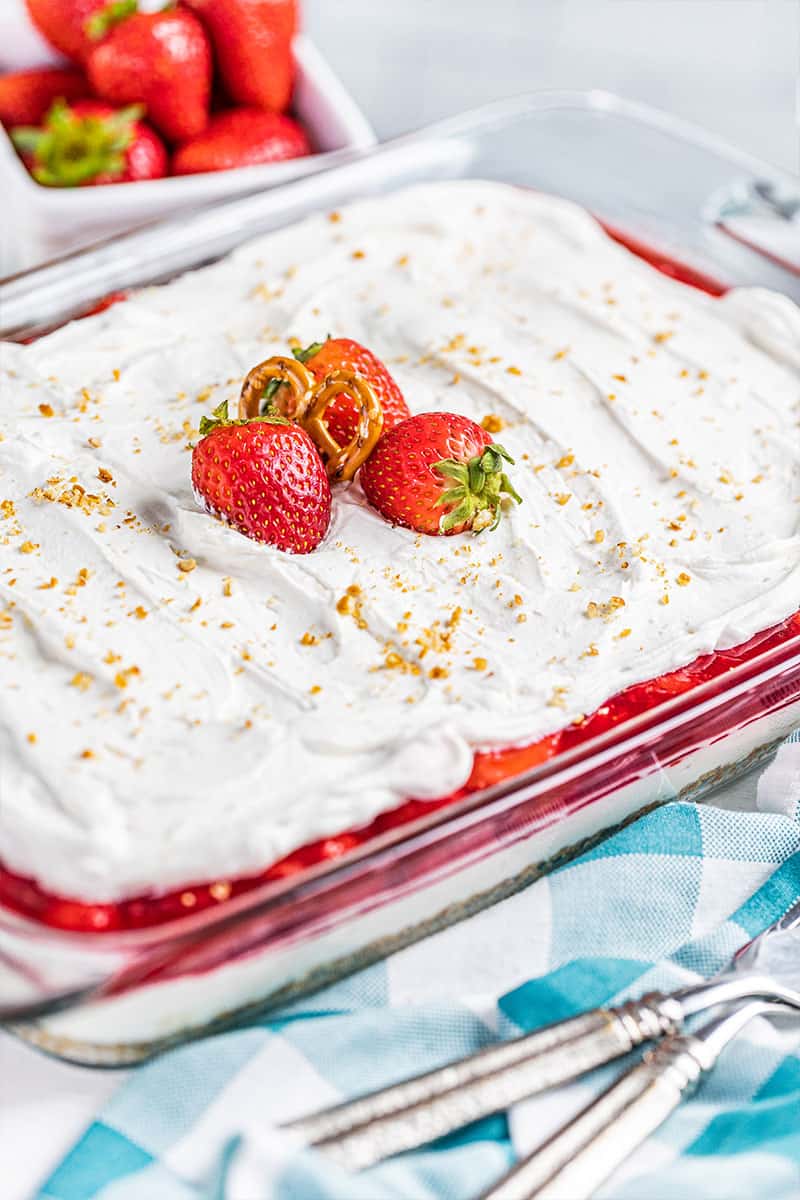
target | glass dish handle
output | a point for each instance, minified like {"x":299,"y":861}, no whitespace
{"x":761,"y":216}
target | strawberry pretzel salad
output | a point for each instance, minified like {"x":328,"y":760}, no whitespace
{"x":382,"y":508}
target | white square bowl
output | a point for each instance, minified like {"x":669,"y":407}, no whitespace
{"x":39,"y":223}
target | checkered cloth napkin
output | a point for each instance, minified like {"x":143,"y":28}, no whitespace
{"x":664,"y":902}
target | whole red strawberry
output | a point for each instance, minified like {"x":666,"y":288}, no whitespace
{"x":64,"y":24}
{"x":438,"y":473}
{"x":91,"y":143}
{"x":241,"y":137}
{"x":335,"y":354}
{"x":265,"y":478}
{"x":159,"y":59}
{"x":253,"y":48}
{"x":25,"y":96}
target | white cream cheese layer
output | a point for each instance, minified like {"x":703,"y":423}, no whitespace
{"x":161,"y":726}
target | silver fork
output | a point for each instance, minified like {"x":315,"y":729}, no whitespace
{"x":361,"y":1132}
{"x":583,"y":1153}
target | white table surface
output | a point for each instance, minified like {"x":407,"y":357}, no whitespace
{"x":731,"y":65}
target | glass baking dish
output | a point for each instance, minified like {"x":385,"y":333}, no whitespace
{"x":117,"y":997}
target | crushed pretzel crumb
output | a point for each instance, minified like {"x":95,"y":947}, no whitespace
{"x":604,"y":609}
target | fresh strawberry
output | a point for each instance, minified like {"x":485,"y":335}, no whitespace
{"x":64,"y":24}
{"x":159,"y":59}
{"x":253,"y":48}
{"x":90,"y":143}
{"x":25,"y":96}
{"x":344,"y":354}
{"x":241,"y":137}
{"x":438,"y":473}
{"x":265,"y":478}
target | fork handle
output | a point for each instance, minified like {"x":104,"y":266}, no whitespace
{"x":409,"y":1114}
{"x":575,"y":1161}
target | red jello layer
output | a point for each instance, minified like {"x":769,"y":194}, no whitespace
{"x":26,"y":897}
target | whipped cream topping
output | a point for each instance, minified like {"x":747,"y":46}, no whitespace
{"x":180,"y":704}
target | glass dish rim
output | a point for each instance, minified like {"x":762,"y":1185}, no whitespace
{"x":471,"y":123}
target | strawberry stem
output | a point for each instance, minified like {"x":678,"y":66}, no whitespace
{"x":304,"y":355}
{"x":219,"y":416}
{"x":69,"y":150}
{"x":480,"y":485}
{"x":268,"y":395}
{"x":103,"y":21}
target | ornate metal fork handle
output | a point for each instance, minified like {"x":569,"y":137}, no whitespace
{"x":579,"y":1157}
{"x":411,"y":1113}
{"x":416,"y":1111}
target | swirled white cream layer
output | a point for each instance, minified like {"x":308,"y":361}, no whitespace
{"x":163,"y":725}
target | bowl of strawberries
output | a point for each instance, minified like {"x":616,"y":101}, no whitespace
{"x":169,"y":104}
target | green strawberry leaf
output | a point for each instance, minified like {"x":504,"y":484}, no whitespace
{"x":27,"y":138}
{"x":219,"y":418}
{"x":103,"y":21}
{"x":460,"y":515}
{"x":303,"y":356}
{"x":453,"y":469}
{"x":267,"y":406}
{"x":494,"y":448}
{"x":480,"y":485}
{"x":476,"y":476}
{"x":70,"y":150}
{"x":508,"y":489}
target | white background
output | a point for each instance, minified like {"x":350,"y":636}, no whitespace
{"x":731,"y":65}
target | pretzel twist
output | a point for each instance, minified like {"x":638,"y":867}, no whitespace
{"x":306,"y":400}
{"x":291,"y":401}
{"x":342,"y":462}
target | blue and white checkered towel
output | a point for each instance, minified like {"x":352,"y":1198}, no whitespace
{"x":662,"y":903}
